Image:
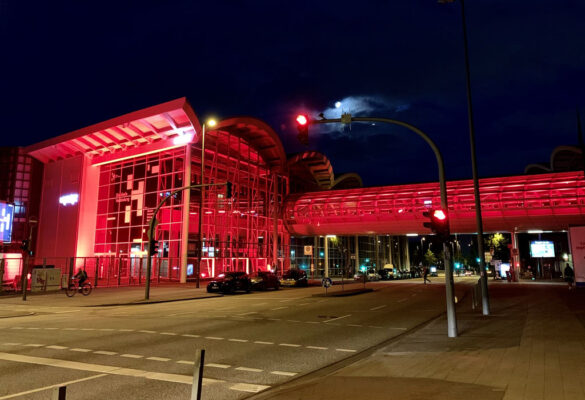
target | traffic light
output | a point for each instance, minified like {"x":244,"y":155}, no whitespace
{"x":303,"y":127}
{"x":439,"y":223}
{"x":152,"y":247}
{"x":228,"y":190}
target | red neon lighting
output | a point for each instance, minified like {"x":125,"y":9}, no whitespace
{"x":440,"y":215}
{"x":302,"y":119}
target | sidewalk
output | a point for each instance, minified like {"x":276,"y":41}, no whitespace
{"x":532,"y":347}
{"x":109,"y":297}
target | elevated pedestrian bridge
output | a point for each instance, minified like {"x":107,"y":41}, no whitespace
{"x":515,"y":203}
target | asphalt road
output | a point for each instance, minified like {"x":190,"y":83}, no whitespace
{"x":252,"y":341}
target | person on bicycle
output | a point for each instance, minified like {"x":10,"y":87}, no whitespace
{"x":81,"y":276}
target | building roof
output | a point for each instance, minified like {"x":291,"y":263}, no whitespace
{"x":155,"y":127}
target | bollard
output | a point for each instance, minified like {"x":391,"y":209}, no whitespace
{"x":59,"y":393}
{"x":198,"y":376}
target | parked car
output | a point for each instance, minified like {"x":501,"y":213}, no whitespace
{"x":294,"y":277}
{"x":265,"y":280}
{"x":230,"y":282}
{"x":371,"y":275}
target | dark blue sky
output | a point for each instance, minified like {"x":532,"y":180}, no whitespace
{"x":66,"y":65}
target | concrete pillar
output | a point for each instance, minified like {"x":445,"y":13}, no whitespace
{"x":377,"y":239}
{"x":515,"y":258}
{"x":357,"y":253}
{"x":406,"y":254}
{"x":185,"y":226}
{"x":326,"y":272}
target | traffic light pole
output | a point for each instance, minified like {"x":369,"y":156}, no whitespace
{"x":449,"y":284}
{"x":152,"y":224}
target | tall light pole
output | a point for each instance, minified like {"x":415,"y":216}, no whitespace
{"x":210,"y":123}
{"x":478,"y":220}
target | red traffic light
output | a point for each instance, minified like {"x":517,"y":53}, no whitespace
{"x":302,"y":119}
{"x":440,"y":215}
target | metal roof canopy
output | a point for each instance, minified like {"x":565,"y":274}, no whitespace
{"x":118,"y":137}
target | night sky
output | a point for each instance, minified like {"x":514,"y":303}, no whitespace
{"x":67,"y":65}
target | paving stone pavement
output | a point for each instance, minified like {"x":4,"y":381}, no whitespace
{"x":531,"y":347}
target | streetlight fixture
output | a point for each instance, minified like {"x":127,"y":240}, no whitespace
{"x":211,"y":123}
{"x":478,"y":219}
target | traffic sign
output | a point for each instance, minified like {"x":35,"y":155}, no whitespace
{"x":326,"y":282}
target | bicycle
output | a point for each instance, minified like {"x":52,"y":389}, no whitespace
{"x":74,"y":287}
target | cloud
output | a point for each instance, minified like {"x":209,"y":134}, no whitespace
{"x":359,"y":106}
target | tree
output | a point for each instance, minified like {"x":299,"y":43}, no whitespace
{"x":430,"y":258}
{"x":499,"y":244}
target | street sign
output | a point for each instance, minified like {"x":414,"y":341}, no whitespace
{"x":326,"y":282}
{"x":308,"y":250}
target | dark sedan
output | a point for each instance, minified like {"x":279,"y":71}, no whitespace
{"x":294,"y":277}
{"x":230,"y":282}
{"x":265,"y":280}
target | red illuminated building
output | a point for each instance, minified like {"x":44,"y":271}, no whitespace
{"x":101,"y":183}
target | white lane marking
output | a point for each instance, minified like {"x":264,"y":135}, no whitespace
{"x":33,"y":328}
{"x":126,"y":330}
{"x":335,"y":319}
{"x":34,"y":345}
{"x":106,"y":329}
{"x":51,"y":329}
{"x":248,"y":387}
{"x":145,"y":331}
{"x":285,"y":300}
{"x":283,"y":373}
{"x":88,"y":329}
{"x":107,"y":369}
{"x":222,"y":366}
{"x":278,"y":308}
{"x":189,"y":335}
{"x":312,"y":322}
{"x":163,"y":359}
{"x":400,"y":329}
{"x":237,"y":340}
{"x":81,"y":350}
{"x":11,"y":344}
{"x":248,"y":313}
{"x":377,"y":308}
{"x":186,"y":362}
{"x":213,"y":338}
{"x":304,"y":304}
{"x":316,"y":347}
{"x":56,"y":347}
{"x":10,"y":396}
{"x":346,"y":350}
{"x":289,"y":345}
{"x":131,"y":355}
{"x":354,"y":325}
{"x":105,"y":352}
{"x":168,"y":333}
{"x":261,"y":342}
{"x":274,"y":319}
{"x":292,"y":320}
{"x":70,"y":329}
{"x":248,"y":369}
{"x":401,"y":300}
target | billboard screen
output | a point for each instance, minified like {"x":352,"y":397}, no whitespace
{"x":6,"y":217}
{"x":542,"y":248}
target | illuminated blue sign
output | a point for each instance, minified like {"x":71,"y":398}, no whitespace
{"x":6,"y":217}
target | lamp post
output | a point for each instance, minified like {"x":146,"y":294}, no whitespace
{"x":210,"y":123}
{"x":478,"y":219}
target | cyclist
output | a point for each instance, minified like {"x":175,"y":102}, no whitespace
{"x":81,"y":276}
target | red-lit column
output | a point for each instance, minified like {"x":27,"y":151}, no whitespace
{"x":186,"y":202}
{"x":515,"y":257}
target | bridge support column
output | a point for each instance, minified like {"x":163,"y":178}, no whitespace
{"x":515,"y":267}
{"x":326,"y":271}
{"x":357,"y":253}
{"x":406,"y":253}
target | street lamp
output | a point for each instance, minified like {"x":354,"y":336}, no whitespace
{"x":478,"y":219}
{"x":210,"y":123}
